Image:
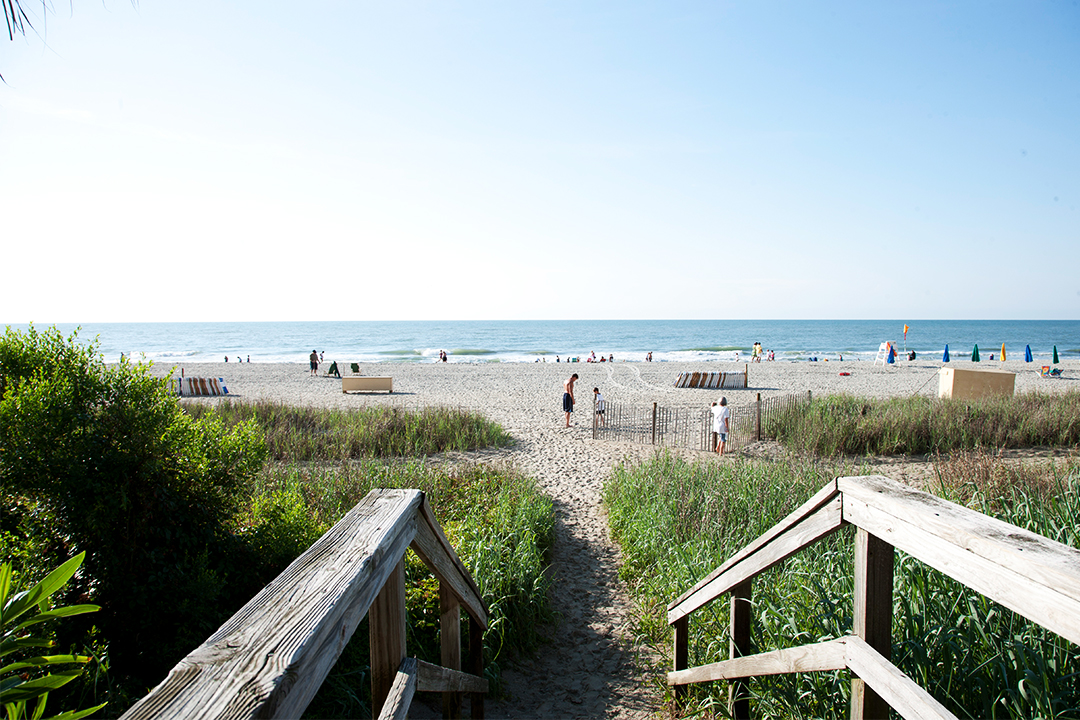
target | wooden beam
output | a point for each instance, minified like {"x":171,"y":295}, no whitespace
{"x":981,"y":552}
{"x":433,"y":678}
{"x":829,"y":655}
{"x":476,"y":666}
{"x":680,"y":653}
{"x":386,"y":636}
{"x":401,"y":694}
{"x":872,"y":621}
{"x":450,"y":644}
{"x":804,"y":530}
{"x":897,"y":689}
{"x":435,"y":550}
{"x":739,"y":646}
{"x":270,"y":658}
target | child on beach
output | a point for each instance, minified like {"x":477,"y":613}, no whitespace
{"x":598,"y":403}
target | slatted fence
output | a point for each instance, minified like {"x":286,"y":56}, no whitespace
{"x":691,"y":427}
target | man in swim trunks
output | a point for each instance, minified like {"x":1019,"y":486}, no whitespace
{"x":568,"y":397}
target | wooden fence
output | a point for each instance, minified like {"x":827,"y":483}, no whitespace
{"x":690,"y":427}
{"x":270,"y":658}
{"x":1027,"y":573}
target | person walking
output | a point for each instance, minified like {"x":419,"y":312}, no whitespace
{"x":568,"y":397}
{"x":721,"y":425}
{"x":313,"y":359}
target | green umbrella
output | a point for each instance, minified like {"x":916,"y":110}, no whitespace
{"x":975,"y":353}
{"x":1055,"y":355}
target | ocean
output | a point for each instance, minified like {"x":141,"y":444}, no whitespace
{"x":545,"y":340}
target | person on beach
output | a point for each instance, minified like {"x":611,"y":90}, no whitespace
{"x":568,"y":397}
{"x":598,"y":403}
{"x":720,"y":425}
{"x":333,"y":370}
{"x":313,"y":359}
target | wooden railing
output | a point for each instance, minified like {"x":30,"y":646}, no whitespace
{"x":1027,"y":573}
{"x":270,"y":658}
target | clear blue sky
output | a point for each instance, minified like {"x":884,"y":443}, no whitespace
{"x":492,"y":160}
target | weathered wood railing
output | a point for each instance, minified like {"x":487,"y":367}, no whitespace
{"x":270,"y":658}
{"x":1027,"y":573}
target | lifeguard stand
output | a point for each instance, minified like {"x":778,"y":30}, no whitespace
{"x":883,"y":353}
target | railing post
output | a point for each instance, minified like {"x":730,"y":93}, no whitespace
{"x":739,"y":691}
{"x":386,"y":633}
{"x":450,"y":645}
{"x":680,"y":652}
{"x":759,"y":417}
{"x":872,"y":616}
{"x":476,"y":666}
{"x":654,"y":423}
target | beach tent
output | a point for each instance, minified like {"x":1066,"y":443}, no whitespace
{"x":1002,"y":352}
{"x":1055,"y":355}
{"x":945,"y":356}
{"x":975,"y":353}
{"x":1027,"y":354}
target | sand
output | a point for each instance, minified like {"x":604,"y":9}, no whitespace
{"x":592,"y":667}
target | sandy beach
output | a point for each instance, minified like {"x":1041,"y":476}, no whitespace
{"x":592,"y":667}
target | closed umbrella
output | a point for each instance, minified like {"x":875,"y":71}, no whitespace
{"x":945,"y":357}
{"x":1002,"y":352}
{"x":975,"y":353}
{"x":1027,"y":354}
{"x":1055,"y":355}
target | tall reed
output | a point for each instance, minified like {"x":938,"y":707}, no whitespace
{"x":849,"y":425}
{"x":676,"y":521}
{"x":305,"y":434}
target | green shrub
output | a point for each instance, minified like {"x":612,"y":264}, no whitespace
{"x":145,"y":490}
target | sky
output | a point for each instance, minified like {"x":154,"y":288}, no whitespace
{"x":362,"y":160}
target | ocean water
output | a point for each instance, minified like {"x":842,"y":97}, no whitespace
{"x":544,"y":340}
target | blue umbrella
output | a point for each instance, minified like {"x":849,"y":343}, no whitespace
{"x":1027,"y":354}
{"x":892,"y":354}
{"x":945,"y":357}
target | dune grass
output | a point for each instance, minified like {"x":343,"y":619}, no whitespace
{"x":309,"y":434}
{"x":676,"y":521}
{"x":848,"y":425}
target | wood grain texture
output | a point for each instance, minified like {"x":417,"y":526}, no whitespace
{"x":896,"y":688}
{"x":386,"y":636}
{"x":475,"y":666}
{"x":828,"y":655}
{"x":948,"y":549}
{"x":803,"y":531}
{"x":741,"y":616}
{"x":433,"y":678}
{"x":872,"y":617}
{"x":401,"y":693}
{"x":435,"y":550}
{"x":450,"y":644}
{"x":270,"y":658}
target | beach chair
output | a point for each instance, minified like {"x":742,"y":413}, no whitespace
{"x":355,"y":368}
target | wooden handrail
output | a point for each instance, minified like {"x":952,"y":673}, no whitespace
{"x":1032,"y":575}
{"x":270,"y":658}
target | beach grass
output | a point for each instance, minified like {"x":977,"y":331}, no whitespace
{"x":310,"y":434}
{"x":675,"y":521}
{"x":835,"y":425}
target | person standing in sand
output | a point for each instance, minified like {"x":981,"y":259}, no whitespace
{"x":568,"y":397}
{"x":314,"y":360}
{"x":720,"y":425}
{"x":598,"y":403}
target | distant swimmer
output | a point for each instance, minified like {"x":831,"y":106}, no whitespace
{"x":568,"y":397}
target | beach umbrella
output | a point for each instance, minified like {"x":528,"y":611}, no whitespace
{"x":1055,"y":355}
{"x":892,"y":354}
{"x":975,"y":353}
{"x":1002,"y":352}
{"x":1027,"y":354}
{"x":945,"y":357}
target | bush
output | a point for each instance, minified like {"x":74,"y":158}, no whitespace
{"x":146,"y":491}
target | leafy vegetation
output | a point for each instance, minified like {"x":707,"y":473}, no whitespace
{"x":848,"y":425}
{"x":303,"y":434}
{"x":26,"y":680}
{"x":676,"y":521}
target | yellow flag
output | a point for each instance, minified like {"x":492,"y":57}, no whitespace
{"x":905,"y":329}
